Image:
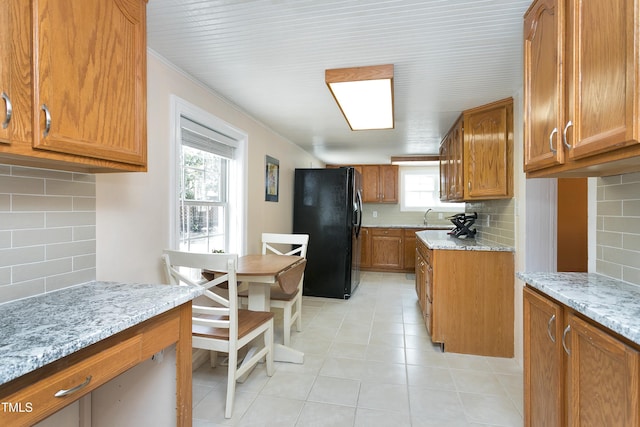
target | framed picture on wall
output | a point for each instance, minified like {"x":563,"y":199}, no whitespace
{"x":272,"y":172}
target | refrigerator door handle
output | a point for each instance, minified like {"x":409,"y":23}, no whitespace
{"x":359,"y":213}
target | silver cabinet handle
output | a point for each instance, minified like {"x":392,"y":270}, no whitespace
{"x":564,"y":134}
{"x":551,"y":319}
{"x":553,"y":132}
{"x":7,"y":117}
{"x":564,"y":335}
{"x":47,"y":120}
{"x":72,"y":390}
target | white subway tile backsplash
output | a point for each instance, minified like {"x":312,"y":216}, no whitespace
{"x":70,"y":188}
{"x":65,"y":219}
{"x":21,"y":220}
{"x":47,"y":230}
{"x":69,"y":279}
{"x":42,"y":236}
{"x":618,"y":227}
{"x":16,"y":256}
{"x":5,"y":202}
{"x":21,"y":185}
{"x":65,"y":250}
{"x":27,"y":203}
{"x":24,"y":272}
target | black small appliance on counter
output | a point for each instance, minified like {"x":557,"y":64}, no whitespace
{"x":463,"y":223}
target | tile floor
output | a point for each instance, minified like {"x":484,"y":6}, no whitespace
{"x":368,"y":362}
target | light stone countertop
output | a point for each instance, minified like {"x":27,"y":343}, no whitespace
{"x":422,"y":226}
{"x":41,"y":329}
{"x":610,"y":302}
{"x":441,"y":240}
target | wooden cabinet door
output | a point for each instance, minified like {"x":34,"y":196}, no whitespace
{"x":365,"y":248}
{"x":386,"y":248}
{"x":420,"y":279}
{"x":456,"y":155}
{"x":543,"y":361}
{"x":409,"y":242}
{"x":89,"y":72}
{"x":389,"y":183}
{"x":543,"y":84}
{"x":444,"y":168}
{"x":603,"y":377}
{"x":486,"y":153}
{"x":604,"y":89}
{"x":370,"y":183}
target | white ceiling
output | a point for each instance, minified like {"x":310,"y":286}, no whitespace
{"x":268,"y":57}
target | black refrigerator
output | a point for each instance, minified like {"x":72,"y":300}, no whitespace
{"x":328,"y":207}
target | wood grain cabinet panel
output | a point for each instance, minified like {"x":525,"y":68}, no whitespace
{"x":543,"y":361}
{"x":467,"y":299}
{"x":585,"y":119}
{"x":78,"y":83}
{"x":365,"y":248}
{"x":387,"y":249}
{"x":477,"y":154}
{"x":576,"y":373}
{"x":379,"y":183}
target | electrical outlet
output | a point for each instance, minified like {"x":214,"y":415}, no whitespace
{"x":375,"y":214}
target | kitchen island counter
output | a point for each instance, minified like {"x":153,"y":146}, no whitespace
{"x":436,"y":239}
{"x":41,"y":329}
{"x":612,"y":303}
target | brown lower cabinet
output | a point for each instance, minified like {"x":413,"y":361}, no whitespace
{"x":389,"y":249}
{"x":466,"y":298}
{"x":576,"y":372}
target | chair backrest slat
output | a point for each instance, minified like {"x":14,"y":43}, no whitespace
{"x":225,"y":264}
{"x":270,"y":239}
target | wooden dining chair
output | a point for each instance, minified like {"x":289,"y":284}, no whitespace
{"x":280,"y":244}
{"x":222,"y":326}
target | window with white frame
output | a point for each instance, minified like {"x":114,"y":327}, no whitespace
{"x":420,"y":189}
{"x":206,"y":161}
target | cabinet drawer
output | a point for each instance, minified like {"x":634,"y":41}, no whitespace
{"x":77,"y":379}
{"x":394,"y":232}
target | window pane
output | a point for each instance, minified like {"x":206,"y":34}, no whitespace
{"x":204,"y":175}
{"x":202,"y":227}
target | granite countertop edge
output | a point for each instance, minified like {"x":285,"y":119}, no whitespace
{"x":42,"y":329}
{"x":610,"y":302}
{"x":420,"y":226}
{"x":437,"y":239}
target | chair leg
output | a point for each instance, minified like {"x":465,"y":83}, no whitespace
{"x":299,"y":311}
{"x":287,"y":324}
{"x":231,"y":383}
{"x":268,"y":342}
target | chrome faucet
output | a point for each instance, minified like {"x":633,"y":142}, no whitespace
{"x":425,"y":216}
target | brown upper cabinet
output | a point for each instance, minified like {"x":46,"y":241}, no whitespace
{"x":476,"y":155}
{"x":379,"y":183}
{"x":77,"y":84}
{"x":581,"y":88}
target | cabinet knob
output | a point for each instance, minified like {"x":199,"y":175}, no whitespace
{"x":9,"y":109}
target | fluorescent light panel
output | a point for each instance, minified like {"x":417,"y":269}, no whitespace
{"x":364,"y":95}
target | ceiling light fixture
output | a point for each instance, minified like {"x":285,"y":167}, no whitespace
{"x":364,"y":95}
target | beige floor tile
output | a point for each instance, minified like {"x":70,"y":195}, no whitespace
{"x":339,"y":391}
{"x":325,"y":415}
{"x":368,"y":362}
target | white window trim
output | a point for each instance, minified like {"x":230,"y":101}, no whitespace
{"x":437,"y":206}
{"x":238,"y":180}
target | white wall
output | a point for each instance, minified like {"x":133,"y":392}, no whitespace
{"x":133,"y":209}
